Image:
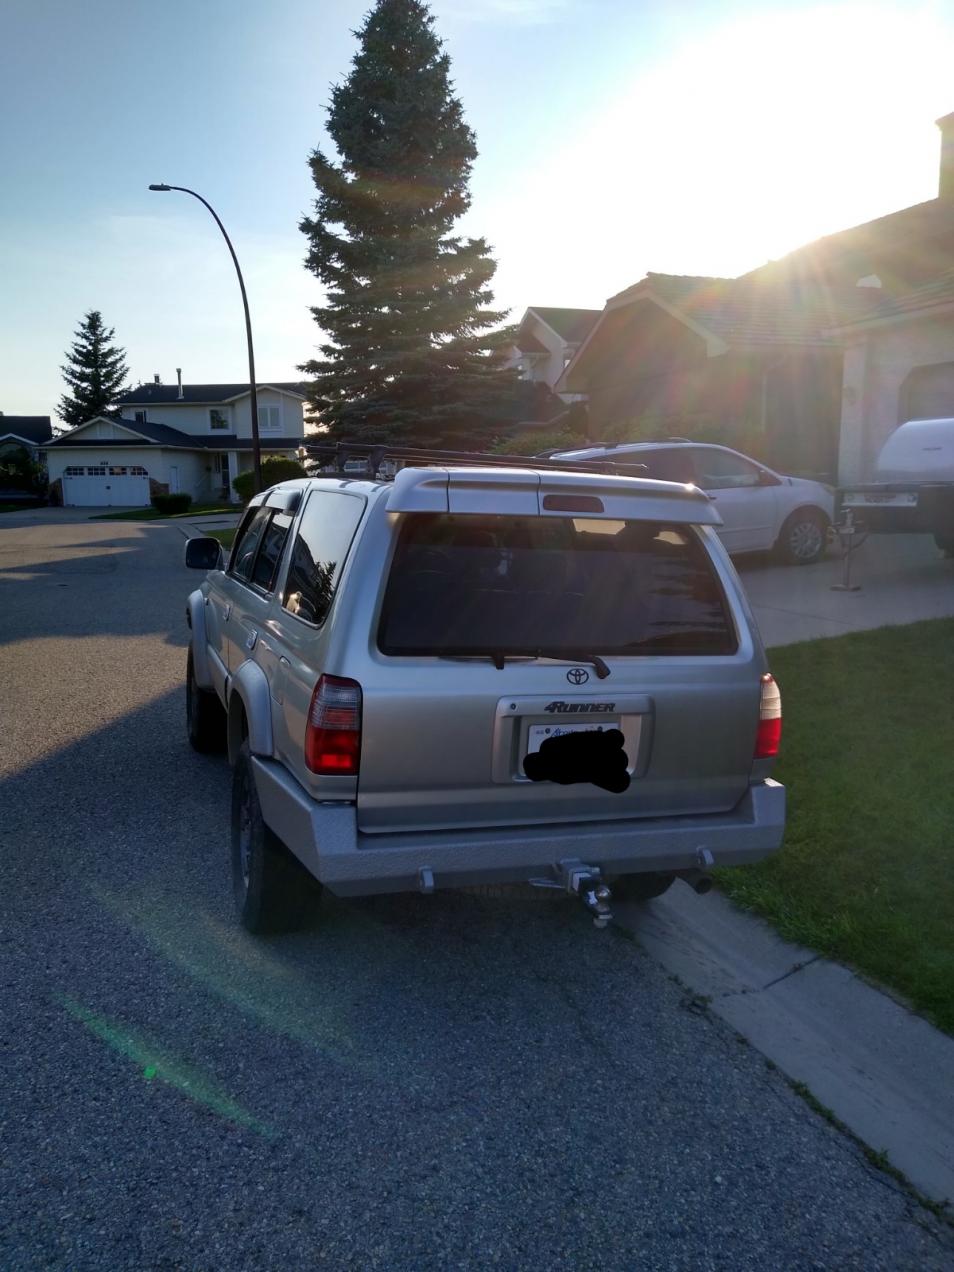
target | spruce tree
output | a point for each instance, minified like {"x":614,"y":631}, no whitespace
{"x":412,"y":355}
{"x":95,"y":372}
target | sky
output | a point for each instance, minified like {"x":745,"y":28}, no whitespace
{"x":615,"y":137}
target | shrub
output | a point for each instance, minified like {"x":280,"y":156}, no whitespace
{"x":274,"y":469}
{"x":532,"y":443}
{"x":170,"y":504}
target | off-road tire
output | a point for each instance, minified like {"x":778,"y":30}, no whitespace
{"x":273,"y":892}
{"x":205,"y":718}
{"x":641,"y":887}
{"x":803,"y":538}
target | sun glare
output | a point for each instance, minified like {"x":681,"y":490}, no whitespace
{"x":761,"y":136}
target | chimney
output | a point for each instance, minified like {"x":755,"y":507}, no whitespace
{"x":945,"y":185}
{"x":155,"y":379}
{"x":179,"y":374}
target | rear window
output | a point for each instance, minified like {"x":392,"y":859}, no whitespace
{"x":464,"y":585}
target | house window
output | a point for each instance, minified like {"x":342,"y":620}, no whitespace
{"x":268,"y":420}
{"x":140,"y":417}
{"x":73,"y":471}
{"x":218,"y":419}
{"x":96,"y":470}
{"x":116,"y":471}
{"x":138,"y":471}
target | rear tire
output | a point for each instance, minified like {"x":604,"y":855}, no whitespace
{"x":273,"y":892}
{"x":803,"y":537}
{"x":641,"y":887}
{"x":205,"y":718}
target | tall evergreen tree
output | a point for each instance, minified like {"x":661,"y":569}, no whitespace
{"x":95,"y":372}
{"x":412,"y":354}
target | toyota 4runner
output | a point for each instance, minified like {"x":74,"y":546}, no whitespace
{"x":481,"y":675}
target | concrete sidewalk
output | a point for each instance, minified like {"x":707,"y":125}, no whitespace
{"x":903,"y":578}
{"x":884,"y":1072}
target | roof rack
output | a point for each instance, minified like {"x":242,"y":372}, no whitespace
{"x":376,"y":456}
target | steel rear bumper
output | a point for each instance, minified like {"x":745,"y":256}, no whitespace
{"x":326,"y":838}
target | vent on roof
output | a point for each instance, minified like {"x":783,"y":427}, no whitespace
{"x":155,"y":379}
{"x":179,"y":375}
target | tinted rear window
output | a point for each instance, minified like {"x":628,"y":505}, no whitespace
{"x":473,"y":585}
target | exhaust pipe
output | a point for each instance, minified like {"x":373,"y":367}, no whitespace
{"x":698,"y":881}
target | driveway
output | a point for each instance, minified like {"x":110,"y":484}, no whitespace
{"x":903,"y":578}
{"x":416,"y":1083}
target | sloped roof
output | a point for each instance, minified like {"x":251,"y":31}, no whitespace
{"x":32,"y":428}
{"x":528,"y":343}
{"x":753,"y":310}
{"x":571,"y":325}
{"x":162,"y":435}
{"x":937,"y":293}
{"x":913,"y":231}
{"x":153,"y":394}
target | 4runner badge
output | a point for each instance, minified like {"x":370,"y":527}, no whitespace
{"x":578,"y":675}
{"x":576,"y":707}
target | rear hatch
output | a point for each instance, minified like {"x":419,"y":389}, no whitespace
{"x":522,"y":607}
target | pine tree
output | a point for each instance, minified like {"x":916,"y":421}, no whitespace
{"x":412,"y":354}
{"x":95,"y":372}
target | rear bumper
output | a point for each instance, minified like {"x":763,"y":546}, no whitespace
{"x":325,"y":837}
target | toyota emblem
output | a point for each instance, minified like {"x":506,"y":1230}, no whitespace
{"x":578,"y":675}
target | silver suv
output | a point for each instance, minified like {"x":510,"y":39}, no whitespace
{"x":473,"y":675}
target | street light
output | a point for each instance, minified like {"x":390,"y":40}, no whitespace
{"x":256,"y":445}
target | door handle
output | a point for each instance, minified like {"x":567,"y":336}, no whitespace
{"x":250,"y":640}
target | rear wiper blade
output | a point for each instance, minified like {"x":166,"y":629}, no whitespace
{"x":499,"y":657}
{"x":574,"y":655}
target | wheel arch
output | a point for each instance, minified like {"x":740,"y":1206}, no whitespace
{"x":195,"y":614}
{"x":250,"y":712}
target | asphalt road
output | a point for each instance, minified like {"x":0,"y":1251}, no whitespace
{"x":445,"y":1082}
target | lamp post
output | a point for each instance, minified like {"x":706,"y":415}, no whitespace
{"x":256,"y":445}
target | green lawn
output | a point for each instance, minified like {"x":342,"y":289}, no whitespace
{"x":224,"y":537}
{"x":151,"y":514}
{"x":866,"y":874}
{"x":7,"y":505}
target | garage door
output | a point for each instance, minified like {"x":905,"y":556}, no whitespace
{"x":99,"y":486}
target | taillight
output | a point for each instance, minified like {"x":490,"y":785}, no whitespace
{"x":769,"y":733}
{"x":333,"y":732}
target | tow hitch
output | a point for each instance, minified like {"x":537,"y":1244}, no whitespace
{"x":585,"y":882}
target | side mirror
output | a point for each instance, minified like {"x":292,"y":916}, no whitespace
{"x":203,"y":554}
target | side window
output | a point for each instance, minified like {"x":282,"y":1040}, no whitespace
{"x":247,"y":541}
{"x":318,"y":554}
{"x":721,"y":470}
{"x":669,"y":465}
{"x":270,"y":552}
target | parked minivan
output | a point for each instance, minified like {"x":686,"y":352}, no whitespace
{"x":471,"y":675}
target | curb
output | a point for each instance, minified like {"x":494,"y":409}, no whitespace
{"x":883,"y":1071}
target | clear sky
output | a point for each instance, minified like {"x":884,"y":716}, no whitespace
{"x":615,"y":137}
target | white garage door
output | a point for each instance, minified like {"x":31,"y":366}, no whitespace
{"x":99,"y":486}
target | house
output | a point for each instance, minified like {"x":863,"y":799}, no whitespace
{"x":546,"y":341}
{"x":188,"y":438}
{"x":23,"y":433}
{"x":809,"y":361}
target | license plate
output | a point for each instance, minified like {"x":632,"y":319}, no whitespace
{"x":539,"y":733}
{"x":874,"y":499}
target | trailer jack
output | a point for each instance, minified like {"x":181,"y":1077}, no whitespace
{"x":585,"y":882}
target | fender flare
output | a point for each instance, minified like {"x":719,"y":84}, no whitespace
{"x":249,"y":697}
{"x":201,"y":668}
